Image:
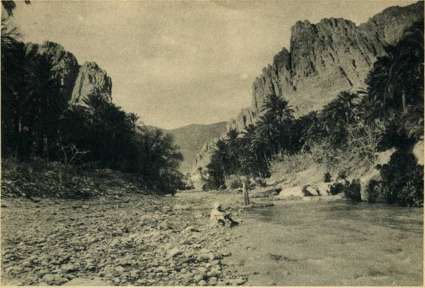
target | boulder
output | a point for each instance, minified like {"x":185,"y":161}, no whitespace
{"x":309,"y":191}
{"x":290,"y":192}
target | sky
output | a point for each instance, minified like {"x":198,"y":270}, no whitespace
{"x":180,"y":62}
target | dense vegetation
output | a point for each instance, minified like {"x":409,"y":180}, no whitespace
{"x":38,"y":122}
{"x":355,"y":125}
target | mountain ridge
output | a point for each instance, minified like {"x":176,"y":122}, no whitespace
{"x":190,"y":138}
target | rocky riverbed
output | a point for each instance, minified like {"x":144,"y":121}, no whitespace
{"x":147,"y":240}
{"x":138,"y":240}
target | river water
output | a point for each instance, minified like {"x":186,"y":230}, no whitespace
{"x":330,"y":243}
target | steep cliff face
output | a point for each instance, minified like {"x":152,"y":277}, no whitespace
{"x":91,"y":80}
{"x":77,"y":82}
{"x":326,"y":58}
{"x":63,"y":64}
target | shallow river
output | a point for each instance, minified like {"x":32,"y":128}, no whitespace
{"x":330,"y":243}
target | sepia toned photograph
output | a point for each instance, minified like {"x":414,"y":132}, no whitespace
{"x":212,"y":143}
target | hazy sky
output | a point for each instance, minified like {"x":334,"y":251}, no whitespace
{"x":175,"y":63}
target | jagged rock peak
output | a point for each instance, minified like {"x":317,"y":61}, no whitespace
{"x":324,"y":58}
{"x":91,"y":80}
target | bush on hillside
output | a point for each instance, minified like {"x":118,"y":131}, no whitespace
{"x":403,"y":180}
{"x":327,"y":177}
{"x":374,"y":189}
{"x":352,"y":191}
{"x":336,"y":188}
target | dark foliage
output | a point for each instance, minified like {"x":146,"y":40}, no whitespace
{"x":38,"y":122}
{"x":374,"y":189}
{"x":327,"y":177}
{"x":352,"y":191}
{"x":336,"y":188}
{"x":403,"y":180}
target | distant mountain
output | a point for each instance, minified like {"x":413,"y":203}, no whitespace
{"x":192,"y":137}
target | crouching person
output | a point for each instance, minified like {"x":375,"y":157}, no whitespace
{"x":218,"y":215}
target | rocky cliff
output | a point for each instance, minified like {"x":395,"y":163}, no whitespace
{"x":63,"y":64}
{"x":91,"y":80}
{"x":77,"y":82}
{"x":326,"y":58}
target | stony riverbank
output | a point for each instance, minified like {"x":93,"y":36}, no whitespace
{"x":148,"y":240}
{"x":138,"y":240}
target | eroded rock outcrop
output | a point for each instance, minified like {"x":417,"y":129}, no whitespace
{"x":326,"y":58}
{"x":91,"y":80}
{"x":63,"y":64}
{"x":77,"y":83}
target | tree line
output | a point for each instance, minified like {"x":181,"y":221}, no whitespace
{"x":388,"y":113}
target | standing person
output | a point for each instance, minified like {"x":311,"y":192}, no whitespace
{"x":245,"y":187}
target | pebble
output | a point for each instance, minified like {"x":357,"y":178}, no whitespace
{"x":212,"y":281}
{"x":52,"y":279}
{"x":198,"y":277}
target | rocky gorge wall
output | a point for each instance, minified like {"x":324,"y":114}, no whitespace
{"x":78,"y":82}
{"x":324,"y":59}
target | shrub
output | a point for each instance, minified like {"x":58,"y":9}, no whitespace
{"x":336,"y":188}
{"x":342,"y":175}
{"x":403,"y":180}
{"x":233,"y":182}
{"x":352,"y":191}
{"x":327,"y":177}
{"x":373,"y":190}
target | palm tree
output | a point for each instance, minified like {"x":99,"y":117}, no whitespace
{"x":396,"y":79}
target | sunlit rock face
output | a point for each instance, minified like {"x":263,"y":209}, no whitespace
{"x":326,"y":58}
{"x":91,"y":80}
